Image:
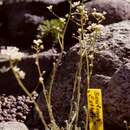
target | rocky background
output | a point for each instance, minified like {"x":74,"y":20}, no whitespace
{"x":18,"y":27}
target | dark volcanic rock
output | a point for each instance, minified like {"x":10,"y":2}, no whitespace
{"x":101,"y":81}
{"x":106,"y":63}
{"x":117,"y":97}
{"x":20,"y":20}
{"x":117,"y":38}
{"x":117,"y":10}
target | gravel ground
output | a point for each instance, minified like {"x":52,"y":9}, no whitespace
{"x":15,"y":108}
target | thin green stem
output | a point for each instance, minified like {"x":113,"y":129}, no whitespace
{"x":66,"y":25}
{"x":52,"y":81}
{"x":28,"y":93}
{"x":47,"y":94}
{"x":88,"y":72}
{"x":73,"y":96}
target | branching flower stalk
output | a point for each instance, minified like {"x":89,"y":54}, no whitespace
{"x":66,"y":25}
{"x":87,"y":42}
{"x":28,"y":93}
{"x":61,"y":35}
{"x":47,"y":94}
{"x":81,"y":38}
{"x":77,"y":83}
{"x":51,"y":82}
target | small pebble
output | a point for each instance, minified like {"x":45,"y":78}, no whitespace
{"x":15,"y":108}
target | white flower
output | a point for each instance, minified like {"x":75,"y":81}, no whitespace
{"x":12,"y":53}
{"x":79,"y":30}
{"x":98,"y":15}
{"x":41,"y":80}
{"x":75,"y":4}
{"x":91,"y":56}
{"x":125,"y":122}
{"x":94,"y":27}
{"x":66,"y":15}
{"x":37,"y":42}
{"x":19,"y":72}
{"x":50,"y":7}
{"x":62,"y":20}
{"x":81,"y":7}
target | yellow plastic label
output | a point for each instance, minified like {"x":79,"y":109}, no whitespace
{"x":95,"y":112}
